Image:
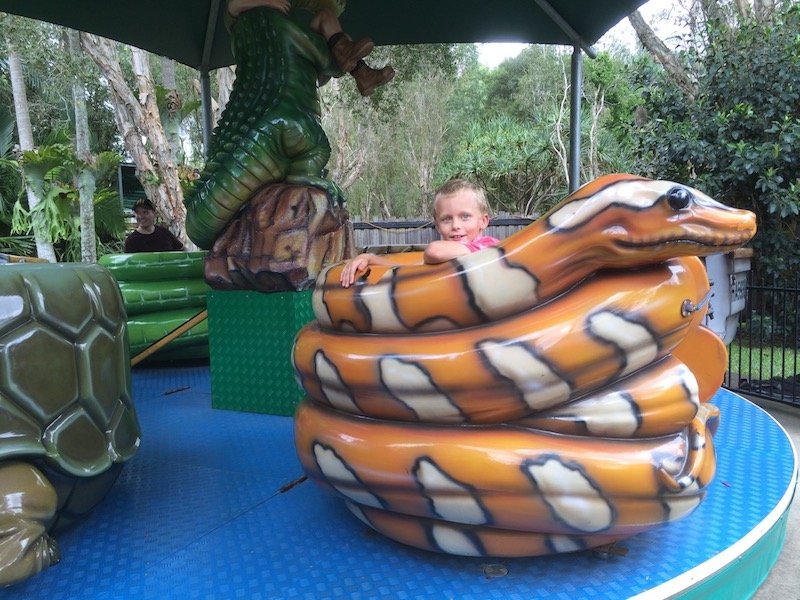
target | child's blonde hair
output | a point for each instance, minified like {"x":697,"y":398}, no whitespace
{"x":456,"y":185}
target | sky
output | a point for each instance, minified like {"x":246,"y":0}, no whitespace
{"x":492,"y":55}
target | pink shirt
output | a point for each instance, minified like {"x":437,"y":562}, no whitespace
{"x":480,"y":243}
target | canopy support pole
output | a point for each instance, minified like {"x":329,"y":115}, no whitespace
{"x":205,"y":100}
{"x":205,"y":78}
{"x":573,"y":35}
{"x":575,"y":93}
{"x":575,"y":90}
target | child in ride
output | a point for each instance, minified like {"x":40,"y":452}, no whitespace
{"x":460,"y":215}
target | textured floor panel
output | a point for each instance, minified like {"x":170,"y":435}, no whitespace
{"x":198,"y":514}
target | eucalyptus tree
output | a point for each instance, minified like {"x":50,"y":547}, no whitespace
{"x":515,"y":137}
{"x":15,"y":30}
{"x":139,"y":122}
{"x":84,"y":180}
{"x":386,"y":149}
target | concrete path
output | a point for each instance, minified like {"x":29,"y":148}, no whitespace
{"x":783,"y":582}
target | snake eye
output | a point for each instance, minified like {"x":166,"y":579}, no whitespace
{"x":679,"y":198}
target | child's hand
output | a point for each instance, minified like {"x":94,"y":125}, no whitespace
{"x":279,"y":5}
{"x":352,"y":268}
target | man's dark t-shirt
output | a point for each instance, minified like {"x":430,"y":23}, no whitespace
{"x":161,"y":240}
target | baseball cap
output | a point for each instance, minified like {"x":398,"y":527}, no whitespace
{"x":144,"y":203}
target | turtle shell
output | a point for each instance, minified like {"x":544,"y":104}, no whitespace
{"x":65,"y":381}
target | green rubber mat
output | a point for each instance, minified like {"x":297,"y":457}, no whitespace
{"x":251,"y":336}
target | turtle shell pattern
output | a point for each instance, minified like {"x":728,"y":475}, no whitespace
{"x":65,"y":383}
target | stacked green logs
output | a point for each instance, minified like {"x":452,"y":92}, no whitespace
{"x":161,"y":291}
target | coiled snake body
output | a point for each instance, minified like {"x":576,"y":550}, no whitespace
{"x":531,"y":398}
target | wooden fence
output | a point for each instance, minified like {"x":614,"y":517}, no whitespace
{"x":376,"y":235}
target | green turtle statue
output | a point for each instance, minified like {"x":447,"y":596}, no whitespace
{"x":67,"y":420}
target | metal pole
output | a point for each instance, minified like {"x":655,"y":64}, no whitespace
{"x":205,"y":79}
{"x":562,"y":24}
{"x":575,"y":92}
{"x":205,"y":98}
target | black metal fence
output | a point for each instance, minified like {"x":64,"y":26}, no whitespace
{"x":765,"y":355}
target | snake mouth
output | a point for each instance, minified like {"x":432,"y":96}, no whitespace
{"x":720,"y":243}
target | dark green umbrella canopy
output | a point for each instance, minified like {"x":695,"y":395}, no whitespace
{"x":192,"y":31}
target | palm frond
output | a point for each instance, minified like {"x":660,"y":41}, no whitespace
{"x":6,"y":132}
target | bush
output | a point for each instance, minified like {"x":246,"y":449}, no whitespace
{"x":738,"y":139}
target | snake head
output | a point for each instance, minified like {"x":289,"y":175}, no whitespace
{"x":627,"y":215}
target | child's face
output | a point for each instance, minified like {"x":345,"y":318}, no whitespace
{"x":458,"y":217}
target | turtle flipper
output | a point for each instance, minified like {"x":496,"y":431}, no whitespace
{"x":27,"y":504}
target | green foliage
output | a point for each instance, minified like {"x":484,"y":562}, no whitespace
{"x":470,"y":96}
{"x":508,"y":159}
{"x":445,"y":115}
{"x":417,"y":59}
{"x":109,"y":216}
{"x":409,"y":62}
{"x":48,"y":78}
{"x":52,"y":173}
{"x":611,"y":75}
{"x":10,"y":190}
{"x":738,"y":140}
{"x":6,"y":132}
{"x":386,"y":147}
{"x":521,"y":86}
{"x":10,"y":180}
{"x":21,"y":245}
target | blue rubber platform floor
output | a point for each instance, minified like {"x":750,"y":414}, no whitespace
{"x":207,"y":510}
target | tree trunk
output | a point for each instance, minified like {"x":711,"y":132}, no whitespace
{"x":85,"y":180}
{"x":662,"y":54}
{"x":173,"y":104}
{"x":44,"y":248}
{"x":743,"y":8}
{"x":763,"y":9}
{"x":712,"y":10}
{"x":139,"y":120}
{"x":169,"y":193}
{"x":225,"y":78}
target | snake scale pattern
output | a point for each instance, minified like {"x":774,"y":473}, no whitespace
{"x":546,"y":395}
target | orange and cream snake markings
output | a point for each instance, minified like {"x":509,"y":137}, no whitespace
{"x":545,"y":395}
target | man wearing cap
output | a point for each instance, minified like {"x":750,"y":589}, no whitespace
{"x":149,"y":237}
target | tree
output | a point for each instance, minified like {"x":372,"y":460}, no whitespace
{"x":52,"y":171}
{"x":679,"y":74}
{"x":11,"y":187}
{"x":44,"y":248}
{"x":737,"y":137}
{"x":385,"y":148}
{"x":85,"y":180}
{"x":512,"y":161}
{"x":517,"y":136}
{"x":140,"y":125}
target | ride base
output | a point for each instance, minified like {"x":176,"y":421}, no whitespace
{"x":214,"y":506}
